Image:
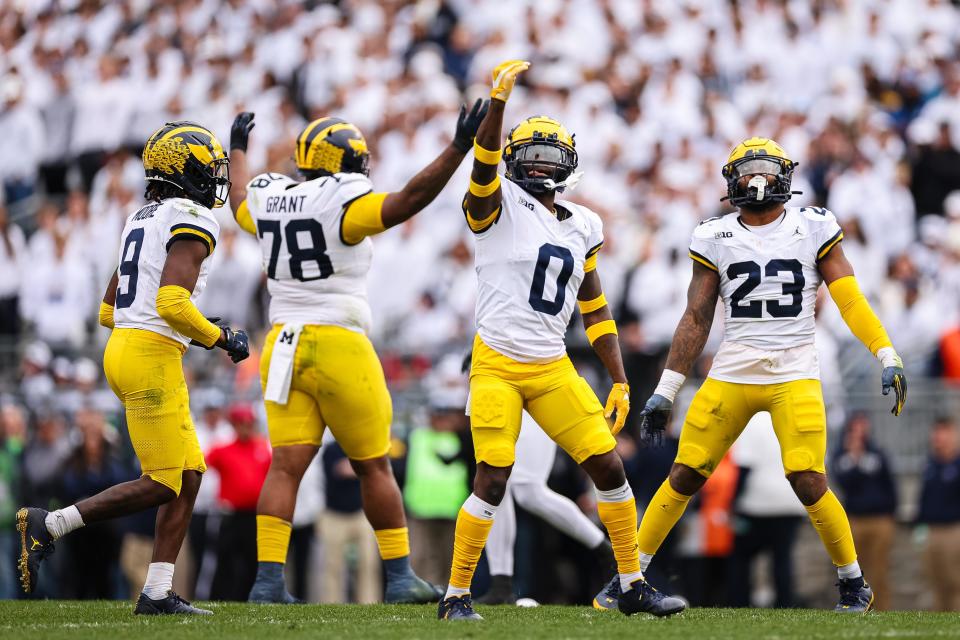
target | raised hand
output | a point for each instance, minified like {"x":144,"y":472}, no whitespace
{"x":505,"y":76}
{"x":468,"y":123}
{"x":240,"y":130}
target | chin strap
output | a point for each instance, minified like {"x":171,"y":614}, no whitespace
{"x":570,"y":183}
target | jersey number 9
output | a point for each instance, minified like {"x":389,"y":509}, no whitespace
{"x":129,"y":268}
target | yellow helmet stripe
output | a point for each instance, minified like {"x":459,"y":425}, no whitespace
{"x":303,"y":144}
{"x":202,"y":153}
{"x":318,"y":137}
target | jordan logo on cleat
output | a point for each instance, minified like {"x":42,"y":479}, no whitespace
{"x":35,"y":545}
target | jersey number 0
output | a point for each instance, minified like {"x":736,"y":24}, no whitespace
{"x":537,"y":301}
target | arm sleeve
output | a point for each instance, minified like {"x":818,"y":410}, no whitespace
{"x":192,"y":222}
{"x":362,"y":217}
{"x":178,"y":311}
{"x":245,"y":219}
{"x":106,"y":315}
{"x":858,"y":314}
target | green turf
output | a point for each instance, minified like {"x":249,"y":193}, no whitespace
{"x":114,"y":621}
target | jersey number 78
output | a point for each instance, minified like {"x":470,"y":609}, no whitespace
{"x":300,"y":257}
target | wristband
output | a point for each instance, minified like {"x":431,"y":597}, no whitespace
{"x":669,"y":385}
{"x":486,"y":156}
{"x":888,"y":357}
{"x":589,"y":306}
{"x":594,"y":331}
{"x":484,"y":190}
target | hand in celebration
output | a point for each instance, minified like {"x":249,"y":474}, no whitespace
{"x":505,"y":76}
{"x":243,"y":124}
{"x":468,"y":123}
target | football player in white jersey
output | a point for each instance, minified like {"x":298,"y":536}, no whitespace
{"x":163,"y":267}
{"x":318,"y":368}
{"x":766,"y":262}
{"x":536,"y":257}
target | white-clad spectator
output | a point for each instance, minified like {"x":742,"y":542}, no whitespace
{"x":59,"y":298}
{"x":13,"y":263}
{"x":21,"y":145}
{"x":103,"y":114}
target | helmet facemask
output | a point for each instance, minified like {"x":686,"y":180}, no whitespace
{"x":539,"y":163}
{"x":208,"y":185}
{"x":757,"y":181}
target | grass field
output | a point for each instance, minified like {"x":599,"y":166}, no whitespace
{"x":113,"y":620}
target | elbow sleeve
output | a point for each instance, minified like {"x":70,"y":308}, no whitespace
{"x":244,"y":219}
{"x":178,"y":311}
{"x":106,"y":315}
{"x":363,"y":217}
{"x":856,"y":312}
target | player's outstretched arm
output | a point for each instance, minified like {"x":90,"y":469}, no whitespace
{"x":179,"y":277}
{"x":373,"y":213}
{"x":837,"y":272}
{"x":688,"y":341}
{"x":108,"y":302}
{"x":400,"y":206}
{"x":602,"y":333}
{"x":243,"y":124}
{"x":482,"y":203}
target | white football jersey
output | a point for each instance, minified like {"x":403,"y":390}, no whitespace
{"x":314,"y":277}
{"x":768,"y":283}
{"x":529,"y":269}
{"x":147,"y":236}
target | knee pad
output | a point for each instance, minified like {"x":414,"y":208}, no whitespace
{"x":799,"y":459}
{"x":697,"y":458}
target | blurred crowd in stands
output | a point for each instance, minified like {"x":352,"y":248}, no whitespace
{"x":864,"y":94}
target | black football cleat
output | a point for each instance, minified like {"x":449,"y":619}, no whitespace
{"x":36,"y":544}
{"x":411,"y":589}
{"x":264,"y":592}
{"x":171,"y":605}
{"x":607,"y":599}
{"x":643,"y":598}
{"x":457,"y":608}
{"x":856,"y":596}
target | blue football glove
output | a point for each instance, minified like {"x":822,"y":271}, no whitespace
{"x":653,"y":419}
{"x":236,"y":344}
{"x":894,"y":378}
